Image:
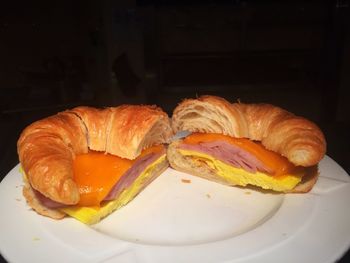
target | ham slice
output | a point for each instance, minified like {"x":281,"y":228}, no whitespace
{"x":47,"y":202}
{"x":132,"y":174}
{"x":229,"y":154}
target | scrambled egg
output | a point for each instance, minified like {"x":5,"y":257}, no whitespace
{"x":236,"y":176}
{"x":92,"y":215}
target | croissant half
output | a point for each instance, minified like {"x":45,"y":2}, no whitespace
{"x":296,"y":138}
{"x":47,"y":148}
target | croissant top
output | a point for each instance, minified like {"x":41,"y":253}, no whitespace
{"x":47,"y":147}
{"x":298,"y":139}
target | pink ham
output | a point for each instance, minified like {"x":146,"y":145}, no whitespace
{"x":45,"y":201}
{"x":229,"y":154}
{"x":132,"y":174}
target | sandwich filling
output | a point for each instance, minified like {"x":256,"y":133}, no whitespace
{"x":107,"y":182}
{"x":249,"y":161}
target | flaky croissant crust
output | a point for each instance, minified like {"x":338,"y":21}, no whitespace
{"x":296,"y":138}
{"x":47,"y":147}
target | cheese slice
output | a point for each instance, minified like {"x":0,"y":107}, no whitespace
{"x":96,"y":173}
{"x":240,"y":177}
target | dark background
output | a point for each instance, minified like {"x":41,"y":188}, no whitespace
{"x":56,"y":55}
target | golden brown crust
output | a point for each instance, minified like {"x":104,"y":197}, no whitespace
{"x":47,"y":148}
{"x":209,"y":114}
{"x":97,"y":122}
{"x":134,"y":128}
{"x":296,"y":138}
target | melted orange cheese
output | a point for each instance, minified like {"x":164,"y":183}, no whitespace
{"x":95,"y":173}
{"x":277,"y":164}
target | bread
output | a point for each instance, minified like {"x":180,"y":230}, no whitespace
{"x":47,"y":148}
{"x":97,"y":125}
{"x":296,"y":138}
{"x":135,"y":128}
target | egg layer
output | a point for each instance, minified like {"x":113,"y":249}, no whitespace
{"x":240,"y":177}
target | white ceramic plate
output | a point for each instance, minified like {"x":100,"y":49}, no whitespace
{"x":176,"y":220}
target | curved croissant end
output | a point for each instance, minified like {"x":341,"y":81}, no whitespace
{"x":296,"y":138}
{"x":47,"y":148}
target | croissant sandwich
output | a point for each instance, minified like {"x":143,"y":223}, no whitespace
{"x":87,"y":162}
{"x":246,"y":144}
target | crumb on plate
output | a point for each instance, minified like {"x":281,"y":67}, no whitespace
{"x":186,"y":181}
